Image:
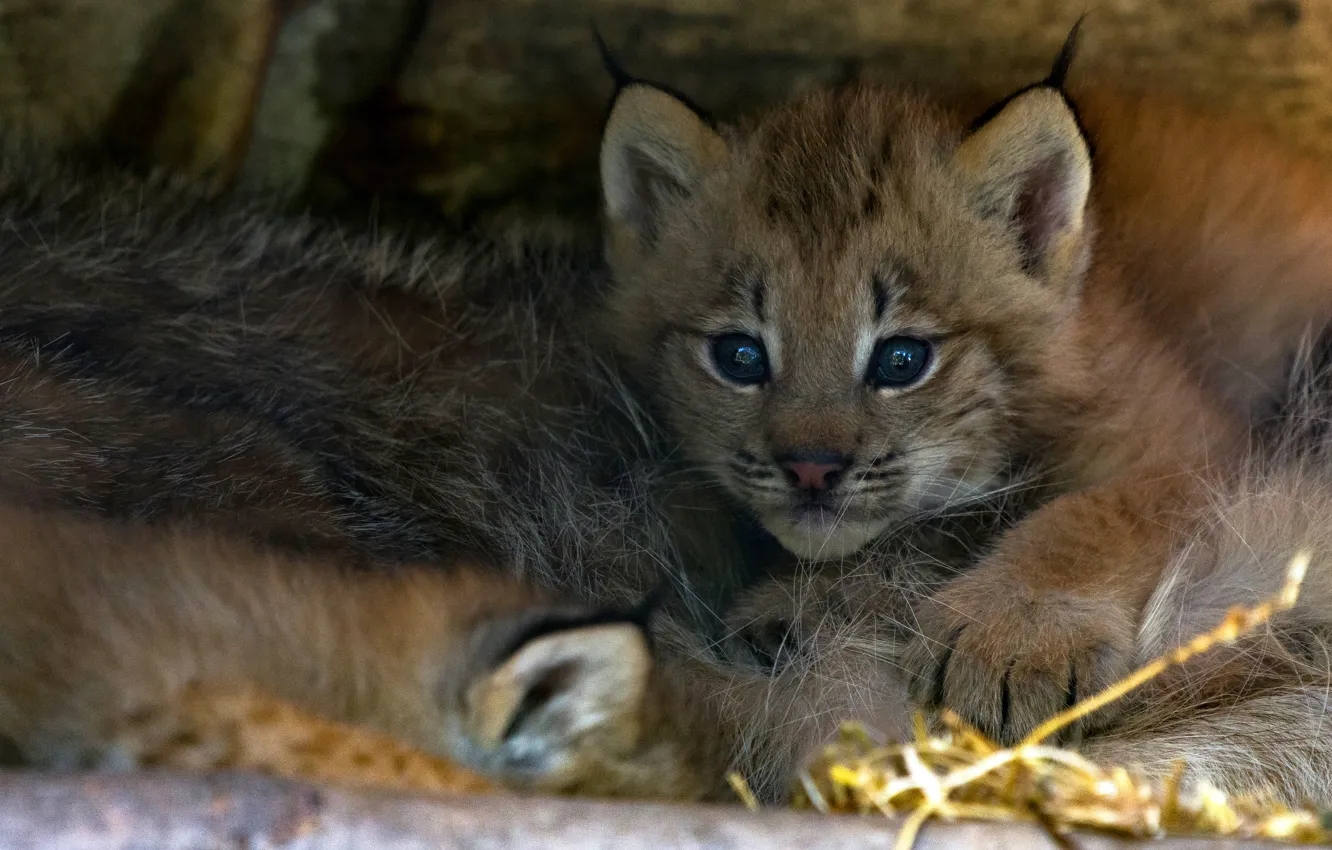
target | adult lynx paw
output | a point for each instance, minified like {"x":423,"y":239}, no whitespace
{"x":1006,"y":656}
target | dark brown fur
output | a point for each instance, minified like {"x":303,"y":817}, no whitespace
{"x":164,"y":358}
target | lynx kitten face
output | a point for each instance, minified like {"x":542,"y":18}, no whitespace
{"x":837,"y":306}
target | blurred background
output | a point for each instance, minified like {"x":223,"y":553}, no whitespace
{"x":465,"y":108}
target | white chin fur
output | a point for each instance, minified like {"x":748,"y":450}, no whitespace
{"x":846,"y":538}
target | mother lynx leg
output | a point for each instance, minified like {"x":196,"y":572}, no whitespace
{"x":124,"y":646}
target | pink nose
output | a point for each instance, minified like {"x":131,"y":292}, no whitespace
{"x":808,"y":475}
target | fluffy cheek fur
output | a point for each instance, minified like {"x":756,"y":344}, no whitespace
{"x":958,"y":447}
{"x":942,"y":444}
{"x":716,"y":422}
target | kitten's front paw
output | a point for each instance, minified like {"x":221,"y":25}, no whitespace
{"x":1006,"y":656}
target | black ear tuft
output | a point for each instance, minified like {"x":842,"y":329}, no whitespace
{"x":1056,"y":79}
{"x":1059,"y":72}
{"x":623,"y":79}
{"x":618,"y":74}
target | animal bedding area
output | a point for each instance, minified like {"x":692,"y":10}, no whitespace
{"x":468,"y":107}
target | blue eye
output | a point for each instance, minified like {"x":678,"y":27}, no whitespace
{"x":899,"y":361}
{"x":741,"y":358}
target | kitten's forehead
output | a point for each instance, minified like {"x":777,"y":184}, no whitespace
{"x":843,"y":216}
{"x":827,"y":193}
{"x":820,"y":168}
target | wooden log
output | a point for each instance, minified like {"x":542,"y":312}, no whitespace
{"x":458,"y":105}
{"x":501,"y":100}
{"x":183,"y":84}
{"x":155,"y":811}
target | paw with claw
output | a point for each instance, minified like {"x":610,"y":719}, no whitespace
{"x":1005,"y":655}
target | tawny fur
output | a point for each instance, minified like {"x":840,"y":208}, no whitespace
{"x":1252,"y":715}
{"x":1110,"y":312}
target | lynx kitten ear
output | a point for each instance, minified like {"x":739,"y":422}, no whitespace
{"x":655,"y":149}
{"x":562,"y":692}
{"x":1030,"y":163}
